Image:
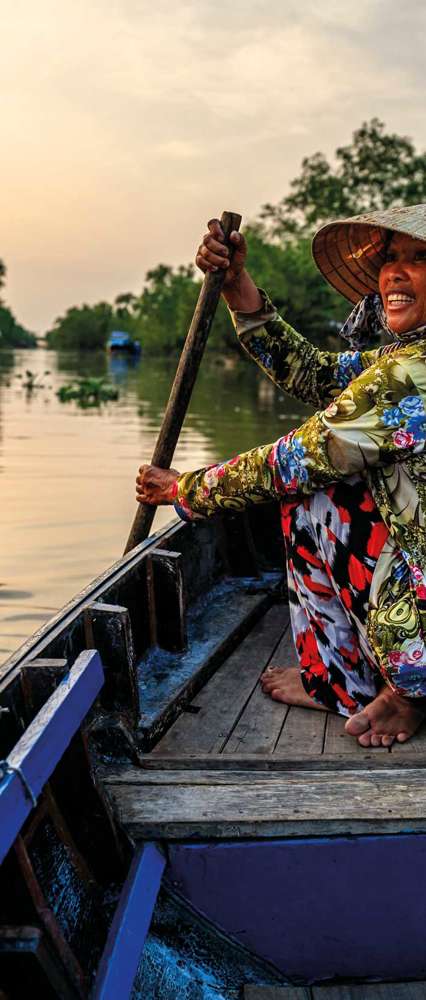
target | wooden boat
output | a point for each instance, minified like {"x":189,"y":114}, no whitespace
{"x":121,"y":342}
{"x":167,"y":831}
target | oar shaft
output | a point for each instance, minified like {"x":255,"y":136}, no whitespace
{"x":184,"y":380}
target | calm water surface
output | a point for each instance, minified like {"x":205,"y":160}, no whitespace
{"x":67,"y":475}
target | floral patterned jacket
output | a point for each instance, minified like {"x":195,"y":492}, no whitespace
{"x":371,"y":421}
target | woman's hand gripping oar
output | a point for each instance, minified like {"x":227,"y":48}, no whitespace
{"x":185,"y":378}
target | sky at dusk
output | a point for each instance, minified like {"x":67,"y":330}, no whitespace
{"x":127,"y":124}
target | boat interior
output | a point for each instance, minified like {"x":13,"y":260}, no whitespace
{"x":217,"y":757}
{"x":241,"y":800}
{"x":185,"y":625}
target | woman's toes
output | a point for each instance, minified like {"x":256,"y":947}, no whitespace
{"x":358,"y":724}
{"x":269,"y":675}
{"x":402,"y":737}
{"x":376,"y":740}
{"x":365,"y":739}
{"x":387,"y":740}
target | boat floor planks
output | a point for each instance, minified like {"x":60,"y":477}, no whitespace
{"x":361,"y":991}
{"x":231,"y":717}
{"x":218,"y":708}
{"x":218,"y":622}
{"x":235,"y":763}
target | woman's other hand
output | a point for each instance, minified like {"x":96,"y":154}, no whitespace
{"x":212,"y":254}
{"x":239,"y":290}
{"x":156,"y":486}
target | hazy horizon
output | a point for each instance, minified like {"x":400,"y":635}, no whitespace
{"x":126,"y":126}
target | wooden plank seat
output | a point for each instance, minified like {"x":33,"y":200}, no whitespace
{"x":254,"y":803}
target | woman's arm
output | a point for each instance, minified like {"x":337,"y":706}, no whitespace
{"x":291,"y":361}
{"x":380,"y":419}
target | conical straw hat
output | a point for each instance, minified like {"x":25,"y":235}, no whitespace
{"x":350,"y":252}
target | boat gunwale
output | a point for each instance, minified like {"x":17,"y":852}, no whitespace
{"x":34,"y":646}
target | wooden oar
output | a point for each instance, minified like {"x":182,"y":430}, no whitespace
{"x":185,"y":377}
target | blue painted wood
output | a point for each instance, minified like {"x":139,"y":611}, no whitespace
{"x":349,"y":907}
{"x":44,"y":742}
{"x":126,"y":938}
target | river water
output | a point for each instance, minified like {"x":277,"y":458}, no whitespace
{"x":67,"y":474}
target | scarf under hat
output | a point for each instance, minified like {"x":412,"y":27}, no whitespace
{"x":367,"y":320}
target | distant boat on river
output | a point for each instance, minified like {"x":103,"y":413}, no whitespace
{"x":120,"y":340}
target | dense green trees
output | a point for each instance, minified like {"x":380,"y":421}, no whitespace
{"x":12,"y":334}
{"x":375,"y":170}
{"x":161,"y":315}
{"x":82,"y":327}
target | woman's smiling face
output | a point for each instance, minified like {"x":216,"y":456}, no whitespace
{"x":402,"y":283}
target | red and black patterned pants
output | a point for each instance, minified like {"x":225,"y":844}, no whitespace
{"x":333,"y":540}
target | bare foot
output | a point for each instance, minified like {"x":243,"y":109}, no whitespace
{"x":386,"y":719}
{"x":284,"y":684}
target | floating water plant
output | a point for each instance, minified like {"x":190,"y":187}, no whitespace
{"x":32,"y":380}
{"x":88,"y":392}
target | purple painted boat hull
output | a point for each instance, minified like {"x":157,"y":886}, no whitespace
{"x":317,"y":909}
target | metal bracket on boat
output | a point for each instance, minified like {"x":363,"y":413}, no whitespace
{"x":6,"y":768}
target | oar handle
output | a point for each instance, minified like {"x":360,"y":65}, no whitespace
{"x":185,"y":377}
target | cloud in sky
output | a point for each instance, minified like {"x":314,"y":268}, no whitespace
{"x":127,"y":124}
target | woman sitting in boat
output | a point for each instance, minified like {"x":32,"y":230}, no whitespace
{"x":351,"y":479}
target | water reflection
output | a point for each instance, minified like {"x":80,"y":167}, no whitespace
{"x":119,"y":366}
{"x":67,"y":475}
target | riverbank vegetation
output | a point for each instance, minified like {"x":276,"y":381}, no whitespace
{"x":12,"y":334}
{"x":375,"y":170}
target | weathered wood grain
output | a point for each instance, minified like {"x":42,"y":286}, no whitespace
{"x":337,"y":741}
{"x":359,"y":991}
{"x":169,"y":599}
{"x":217,"y":706}
{"x":340,"y":742}
{"x":260,"y":724}
{"x":368,"y":761}
{"x":221,"y":804}
{"x":303,"y":733}
{"x":217,"y":625}
{"x":277,"y":993}
{"x":108,"y":629}
{"x":38,"y":679}
{"x":370,"y":991}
